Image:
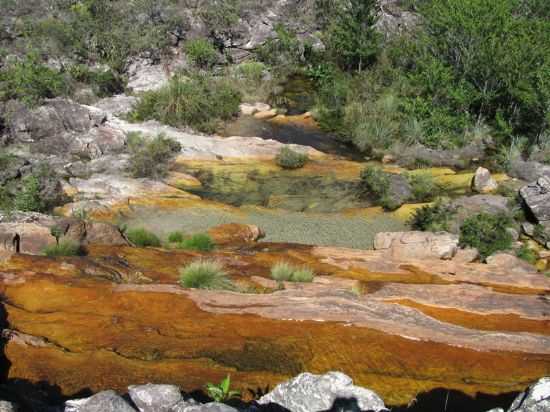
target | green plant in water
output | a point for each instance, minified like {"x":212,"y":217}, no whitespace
{"x":487,"y":233}
{"x":205,"y":274}
{"x":289,"y":159}
{"x":64,"y":248}
{"x":433,"y":218}
{"x":222,"y":392}
{"x":200,"y":242}
{"x":141,"y":237}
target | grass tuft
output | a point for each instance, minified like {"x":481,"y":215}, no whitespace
{"x":285,"y":272}
{"x":201,"y":242}
{"x":64,"y":248}
{"x":205,"y":274}
{"x":143,"y":238}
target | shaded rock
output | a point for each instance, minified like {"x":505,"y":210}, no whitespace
{"x":235,"y":234}
{"x":209,"y":407}
{"x":417,"y":245}
{"x":308,"y":392}
{"x":511,"y":262}
{"x":6,"y":406}
{"x":528,"y":170}
{"x":106,"y":401}
{"x":400,"y":189}
{"x":537,"y":198}
{"x":535,"y":399}
{"x":460,"y":158}
{"x":155,"y":398}
{"x":472,"y":205}
{"x":483,"y":182}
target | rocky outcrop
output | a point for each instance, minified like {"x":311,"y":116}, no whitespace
{"x":308,"y":392}
{"x":528,"y":171}
{"x":510,"y":261}
{"x":537,"y":198}
{"x":483,"y":181}
{"x":417,"y":245}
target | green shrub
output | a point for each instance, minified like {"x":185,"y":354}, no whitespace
{"x":285,"y":272}
{"x":30,"y":81}
{"x":142,"y":238}
{"x":200,"y":242}
{"x":252,"y":71}
{"x":423,"y":187}
{"x":28,"y":199}
{"x":64,"y":248}
{"x":104,"y":83}
{"x":433,"y":218}
{"x":289,"y":159}
{"x":201,"y":52}
{"x":176,"y":237}
{"x":200,"y":101}
{"x":149,"y":158}
{"x":205,"y":274}
{"x":374,"y":182}
{"x":527,"y":254}
{"x":487,"y":233}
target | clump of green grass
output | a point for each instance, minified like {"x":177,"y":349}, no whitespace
{"x":64,"y":248}
{"x":205,"y":274}
{"x":176,"y":237}
{"x":142,"y":238}
{"x":285,"y":272}
{"x":289,"y":159}
{"x":201,"y":242}
{"x":527,"y":254}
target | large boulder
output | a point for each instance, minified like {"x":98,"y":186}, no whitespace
{"x":417,"y":245}
{"x":155,"y":398}
{"x":528,"y":171}
{"x":536,"y":196}
{"x":106,"y":401}
{"x":308,"y":392}
{"x":483,"y":181}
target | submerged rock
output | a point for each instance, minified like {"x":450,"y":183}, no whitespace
{"x":308,"y":392}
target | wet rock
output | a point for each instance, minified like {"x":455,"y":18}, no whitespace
{"x":236,"y":234}
{"x":209,"y":407}
{"x":417,"y":245}
{"x":106,"y":401}
{"x":308,"y":392}
{"x":483,"y":182}
{"x":537,"y":198}
{"x":535,"y":399}
{"x":155,"y":398}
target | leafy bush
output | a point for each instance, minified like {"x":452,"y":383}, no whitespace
{"x":150,"y":158}
{"x":104,"y":83}
{"x":175,"y":237}
{"x":527,"y":254}
{"x":375,"y":182}
{"x":30,"y":81}
{"x":285,"y":272}
{"x":289,"y":159}
{"x":252,"y":71}
{"x":28,"y":199}
{"x":423,"y":187}
{"x":201,"y":53}
{"x":433,"y":218}
{"x":200,"y":101}
{"x":205,"y":274}
{"x":142,"y":238}
{"x":64,"y":248}
{"x":487,"y":233}
{"x":200,"y":242}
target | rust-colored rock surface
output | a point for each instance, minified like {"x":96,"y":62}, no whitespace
{"x":118,"y":317}
{"x":235,"y":234}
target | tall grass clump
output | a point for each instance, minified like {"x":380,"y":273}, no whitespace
{"x":141,"y":237}
{"x":200,"y":242}
{"x":285,"y":272}
{"x":199,"y":101}
{"x":150,"y":158}
{"x":64,"y":248}
{"x":205,"y":274}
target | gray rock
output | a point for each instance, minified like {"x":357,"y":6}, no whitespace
{"x":308,"y":392}
{"x":155,"y":398}
{"x":483,"y":181}
{"x":117,"y":105}
{"x":400,"y":189}
{"x":106,"y":401}
{"x":144,"y":75}
{"x":209,"y":407}
{"x":537,"y":198}
{"x":535,"y":399}
{"x":6,"y":406}
{"x":528,"y":171}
